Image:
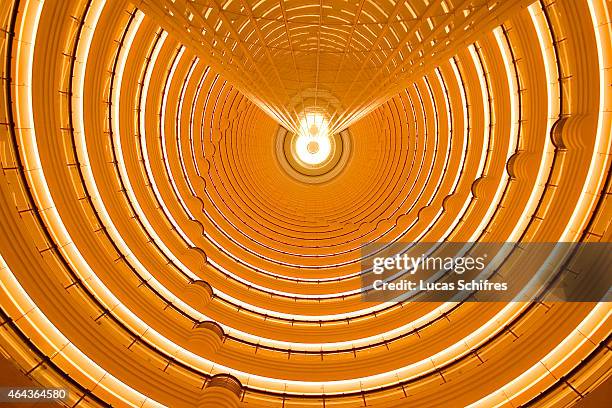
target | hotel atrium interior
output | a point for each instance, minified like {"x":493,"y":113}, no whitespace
{"x":188,"y":188}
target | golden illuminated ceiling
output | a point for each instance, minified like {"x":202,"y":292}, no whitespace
{"x":340,"y":58}
{"x":166,"y":239}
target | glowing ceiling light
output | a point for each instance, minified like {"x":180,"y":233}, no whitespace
{"x":313,"y":145}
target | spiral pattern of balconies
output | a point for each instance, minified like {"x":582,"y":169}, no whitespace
{"x":156,"y":252}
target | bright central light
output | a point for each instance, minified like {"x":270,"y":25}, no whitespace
{"x":313,"y":145}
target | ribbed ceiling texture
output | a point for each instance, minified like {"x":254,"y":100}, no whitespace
{"x":188,"y":186}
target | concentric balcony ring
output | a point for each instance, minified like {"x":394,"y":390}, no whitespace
{"x":288,"y":157}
